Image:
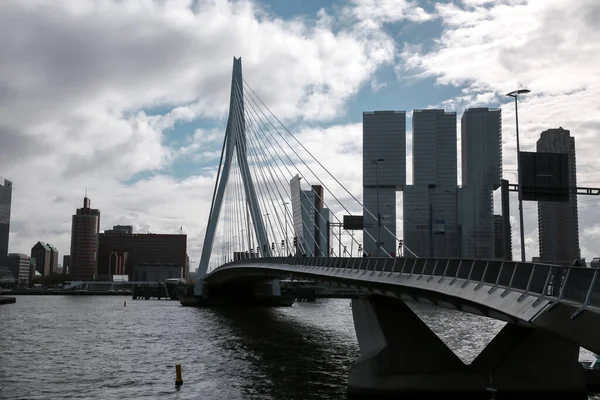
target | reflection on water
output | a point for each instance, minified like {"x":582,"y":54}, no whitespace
{"x":94,"y":348}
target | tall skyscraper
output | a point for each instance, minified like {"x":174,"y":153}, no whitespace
{"x":84,"y":242}
{"x":481,"y":144}
{"x":384,"y":173}
{"x":310,"y":220}
{"x":431,"y":202}
{"x":5,"y":203}
{"x":41,"y":253}
{"x":558,"y":222}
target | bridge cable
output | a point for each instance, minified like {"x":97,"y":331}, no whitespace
{"x":269,"y":210}
{"x":329,"y":173}
{"x":273,"y":175}
{"x":264,"y":160}
{"x":303,"y":176}
{"x":261,"y":166}
{"x":256,"y":147}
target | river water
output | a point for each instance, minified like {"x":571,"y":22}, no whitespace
{"x":55,"y":347}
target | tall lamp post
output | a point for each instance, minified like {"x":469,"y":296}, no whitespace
{"x":284,"y":205}
{"x":515,"y":94}
{"x":376,"y":162}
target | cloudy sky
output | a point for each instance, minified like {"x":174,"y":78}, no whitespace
{"x":130,"y":98}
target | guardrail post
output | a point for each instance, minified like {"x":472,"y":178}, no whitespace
{"x":375,"y":266}
{"x":413,"y":267}
{"x":493,"y":288}
{"x":545,"y":288}
{"x":393,"y":266}
{"x":526,"y":292}
{"x":423,"y":270}
{"x":465,"y":283}
{"x":445,"y":270}
{"x":511,"y":280}
{"x":561,"y":290}
{"x":587,"y":296}
{"x":482,"y":276}
{"x":433,"y":270}
{"x":456,"y":274}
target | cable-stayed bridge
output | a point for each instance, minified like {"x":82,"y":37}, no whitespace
{"x":276,"y":212}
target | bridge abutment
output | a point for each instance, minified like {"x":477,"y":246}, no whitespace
{"x":400,"y":355}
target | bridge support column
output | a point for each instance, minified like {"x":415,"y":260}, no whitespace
{"x":401,"y":356}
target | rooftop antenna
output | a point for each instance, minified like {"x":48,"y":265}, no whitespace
{"x":86,"y":191}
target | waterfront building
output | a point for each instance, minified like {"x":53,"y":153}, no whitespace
{"x":384,"y":173}
{"x":66,"y":264}
{"x":481,"y":160}
{"x":46,"y":258}
{"x":558,"y":222}
{"x":126,"y":229}
{"x":122,"y":253}
{"x":430,"y":205}
{"x":18,"y":265}
{"x":310,"y":220}
{"x":84,"y":242}
{"x":5,"y":205}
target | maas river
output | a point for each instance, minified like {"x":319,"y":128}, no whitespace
{"x":55,"y":347}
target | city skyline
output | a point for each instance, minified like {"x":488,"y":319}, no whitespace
{"x":147,"y":151}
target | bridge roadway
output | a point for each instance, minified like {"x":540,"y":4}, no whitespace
{"x":562,"y":300}
{"x":550,"y":311}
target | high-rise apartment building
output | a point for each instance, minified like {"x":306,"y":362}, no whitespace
{"x":481,"y":160}
{"x":5,"y":204}
{"x":430,"y":204}
{"x":558,"y":222}
{"x":84,"y":242}
{"x":384,"y":173}
{"x":42,"y":253}
{"x":310,"y":220}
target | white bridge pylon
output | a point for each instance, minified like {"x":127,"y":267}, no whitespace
{"x":234,"y":145}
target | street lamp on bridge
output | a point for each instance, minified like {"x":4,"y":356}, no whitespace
{"x":515,"y":94}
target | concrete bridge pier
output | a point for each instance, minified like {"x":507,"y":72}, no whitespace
{"x":401,"y":357}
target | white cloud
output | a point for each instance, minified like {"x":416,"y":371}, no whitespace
{"x":551,"y":47}
{"x":76,"y":77}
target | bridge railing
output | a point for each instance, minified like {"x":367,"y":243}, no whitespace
{"x":580,"y":285}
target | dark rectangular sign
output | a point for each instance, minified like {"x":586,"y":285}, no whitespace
{"x":353,"y":222}
{"x":544,"y":176}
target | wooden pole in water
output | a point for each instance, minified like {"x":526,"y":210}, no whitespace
{"x":178,"y":379}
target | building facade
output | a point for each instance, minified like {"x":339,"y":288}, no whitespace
{"x":430,"y":205}
{"x":18,"y":265}
{"x":384,"y":173}
{"x":5,"y":205}
{"x":481,"y":161}
{"x":85,"y":228}
{"x":40,"y":252}
{"x":121,"y":253}
{"x":66,"y":264}
{"x":310,"y":220}
{"x":126,"y":229}
{"x":558,"y":222}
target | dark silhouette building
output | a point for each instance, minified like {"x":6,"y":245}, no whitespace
{"x":66,"y":264}
{"x":84,"y":242}
{"x":5,"y":204}
{"x":46,"y":258}
{"x":126,"y":229}
{"x":122,"y":253}
{"x":558,"y":221}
